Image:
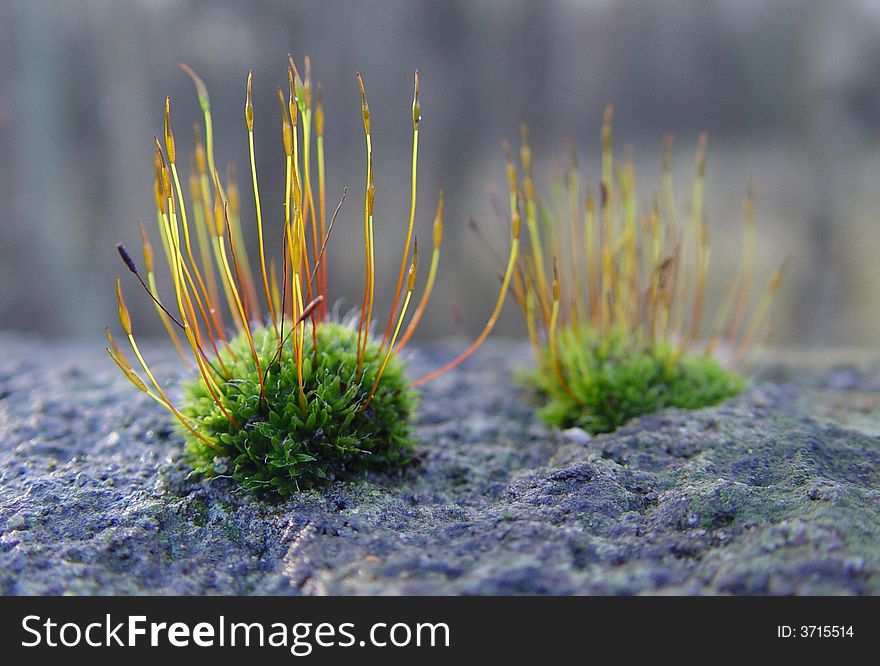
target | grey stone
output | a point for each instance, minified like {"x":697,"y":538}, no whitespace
{"x":774,"y":492}
{"x":575,"y":435}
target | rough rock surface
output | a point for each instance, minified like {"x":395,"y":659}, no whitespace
{"x":774,"y":492}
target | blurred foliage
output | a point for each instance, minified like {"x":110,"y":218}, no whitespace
{"x":786,"y":90}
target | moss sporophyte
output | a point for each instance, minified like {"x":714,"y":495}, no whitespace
{"x":283,"y":396}
{"x":614,"y":298}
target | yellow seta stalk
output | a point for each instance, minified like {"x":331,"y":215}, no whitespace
{"x":432,"y":276}
{"x":249,"y":122}
{"x":322,"y":203}
{"x":416,"y":117}
{"x":369,"y":252}
{"x":390,"y":347}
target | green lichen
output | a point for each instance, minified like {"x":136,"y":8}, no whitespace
{"x":610,"y":380}
{"x":284,"y":447}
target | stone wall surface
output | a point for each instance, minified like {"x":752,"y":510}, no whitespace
{"x":774,"y":492}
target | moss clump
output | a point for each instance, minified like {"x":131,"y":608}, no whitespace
{"x":288,"y":410}
{"x":609,"y":381}
{"x":284,"y":447}
{"x":617,"y":299}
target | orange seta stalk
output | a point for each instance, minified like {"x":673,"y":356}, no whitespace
{"x":490,"y":324}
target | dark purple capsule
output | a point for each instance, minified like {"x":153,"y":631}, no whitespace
{"x":126,"y":258}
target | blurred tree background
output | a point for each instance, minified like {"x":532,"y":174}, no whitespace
{"x":786,"y":89}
